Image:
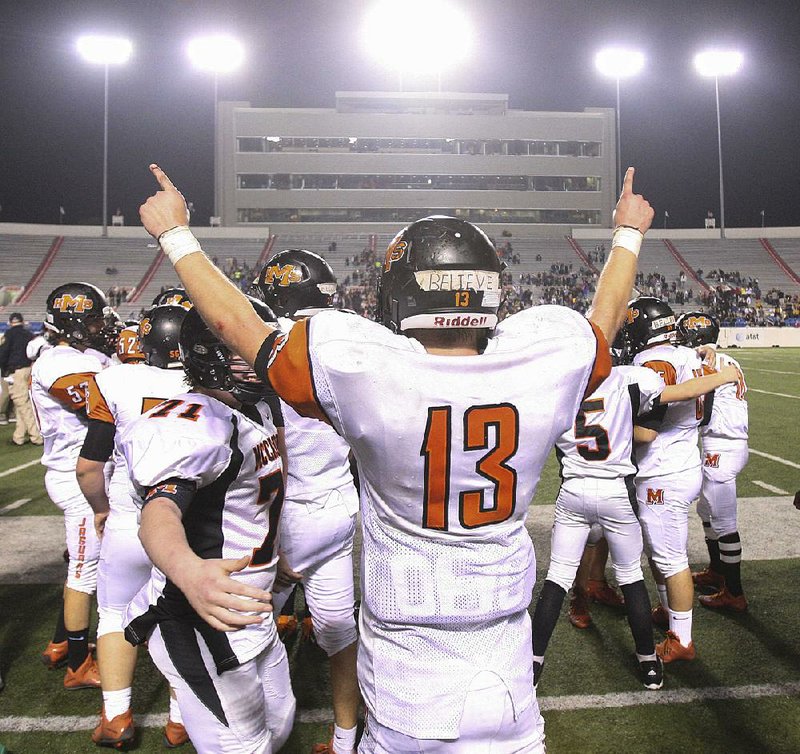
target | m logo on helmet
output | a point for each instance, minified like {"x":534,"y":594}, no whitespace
{"x":284,"y":275}
{"x":79,"y":304}
{"x":695,"y":323}
{"x":655,"y":497}
{"x":394,"y":254}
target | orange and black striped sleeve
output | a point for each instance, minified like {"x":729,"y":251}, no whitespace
{"x":602,"y":361}
{"x":665,"y":369}
{"x":70,"y":390}
{"x":97,"y":407}
{"x":285,"y":361}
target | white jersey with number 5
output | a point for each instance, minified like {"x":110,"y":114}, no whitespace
{"x":729,"y":418}
{"x":449,"y":451}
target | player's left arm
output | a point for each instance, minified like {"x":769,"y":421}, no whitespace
{"x":643,"y":434}
{"x":92,"y":481}
{"x":699,"y":386}
{"x":221,"y":304}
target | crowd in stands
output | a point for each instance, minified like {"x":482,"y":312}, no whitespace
{"x":655,"y":284}
{"x":117,"y":295}
{"x":741,"y":307}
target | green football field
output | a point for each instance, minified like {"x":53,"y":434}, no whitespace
{"x":742,"y":694}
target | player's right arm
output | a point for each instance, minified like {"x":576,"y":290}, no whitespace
{"x":699,"y":386}
{"x":220,"y":303}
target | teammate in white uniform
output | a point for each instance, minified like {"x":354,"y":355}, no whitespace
{"x":319,"y":512}
{"x":77,"y":314}
{"x":597,"y":471}
{"x":447,"y":570}
{"x":669,"y":477}
{"x":207,"y":465}
{"x":725,"y":454}
{"x":150,"y":373}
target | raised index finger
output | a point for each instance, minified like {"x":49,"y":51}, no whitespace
{"x":627,"y":182}
{"x":162,"y":178}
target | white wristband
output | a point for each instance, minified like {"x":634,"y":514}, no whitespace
{"x":627,"y":238}
{"x":178,"y":242}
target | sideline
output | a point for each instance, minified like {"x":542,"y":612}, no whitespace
{"x":20,"y":468}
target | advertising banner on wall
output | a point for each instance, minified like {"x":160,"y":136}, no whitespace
{"x":759,"y":337}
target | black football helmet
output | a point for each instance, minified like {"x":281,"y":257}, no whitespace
{"x":80,"y":314}
{"x":159,"y":332}
{"x":620,"y":349}
{"x":697,"y":329}
{"x":211,"y":364}
{"x":648,"y":321}
{"x":297,"y":283}
{"x":440,"y":272}
{"x":174,"y":297}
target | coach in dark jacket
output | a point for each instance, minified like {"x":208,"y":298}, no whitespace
{"x":14,"y":363}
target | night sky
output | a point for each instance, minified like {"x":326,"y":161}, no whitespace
{"x":299,"y":52}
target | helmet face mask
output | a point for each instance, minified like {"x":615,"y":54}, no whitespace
{"x":210,"y":364}
{"x":440,"y":273}
{"x":79,"y":314}
{"x":649,"y":321}
{"x":159,"y":332}
{"x":697,"y":329}
{"x":297,"y":283}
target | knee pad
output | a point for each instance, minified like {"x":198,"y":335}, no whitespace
{"x":561,"y":574}
{"x":334,"y":635}
{"x":670,"y":566}
{"x":82,"y":575}
{"x":110,"y":621}
{"x":628,"y":573}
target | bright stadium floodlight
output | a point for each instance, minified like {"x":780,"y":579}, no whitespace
{"x":105,"y":51}
{"x":619,"y":63}
{"x":217,"y":53}
{"x":714,"y":64}
{"x":417,"y":36}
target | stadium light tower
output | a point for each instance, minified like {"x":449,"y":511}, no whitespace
{"x":105,"y":51}
{"x":619,"y":63}
{"x":216,"y":53}
{"x":713,"y":64}
{"x":417,"y":36}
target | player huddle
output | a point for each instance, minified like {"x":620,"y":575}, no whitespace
{"x":230,"y":430}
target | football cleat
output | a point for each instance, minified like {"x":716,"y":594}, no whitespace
{"x":708,"y":578}
{"x":287,"y":625}
{"x":307,"y":630}
{"x":85,"y":677}
{"x":660,"y":617}
{"x":671,"y":649}
{"x":578,"y":612}
{"x":724,"y":600}
{"x":116,"y":733}
{"x":602,"y":592}
{"x":175,"y":735}
{"x":55,"y":655}
{"x":651,"y":673}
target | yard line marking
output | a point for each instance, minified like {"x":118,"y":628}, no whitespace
{"x":772,"y":371}
{"x":767,"y":392}
{"x":20,"y":468}
{"x":776,"y":490}
{"x":778,"y":459}
{"x":71,"y":724}
{"x":19,"y":503}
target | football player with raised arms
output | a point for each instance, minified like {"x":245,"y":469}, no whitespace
{"x":319,"y":512}
{"x":668,"y":480}
{"x":450,"y":417}
{"x":724,"y":455}
{"x":78,"y":317}
{"x":207,"y":466}
{"x":150,"y":373}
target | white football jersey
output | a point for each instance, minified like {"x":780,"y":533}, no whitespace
{"x":120,"y":394}
{"x":59,"y":378}
{"x":449,"y":451}
{"x":729,"y":418}
{"x":235,"y":464}
{"x":600,"y":442}
{"x":675,"y":449}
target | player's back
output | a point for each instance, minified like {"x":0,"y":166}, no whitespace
{"x":729,"y":415}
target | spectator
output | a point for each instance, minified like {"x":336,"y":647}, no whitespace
{"x":14,"y":363}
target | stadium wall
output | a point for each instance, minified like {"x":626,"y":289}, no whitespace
{"x":759,"y":337}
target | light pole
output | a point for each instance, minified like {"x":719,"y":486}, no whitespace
{"x":217,"y":53}
{"x":435,"y":34}
{"x":619,"y":63}
{"x":105,"y":51}
{"x":716,"y":63}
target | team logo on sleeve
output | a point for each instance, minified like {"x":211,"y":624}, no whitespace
{"x":68,"y":303}
{"x":655,"y":497}
{"x":279,"y":343}
{"x":394,"y":254}
{"x":283,"y":274}
{"x":162,"y":490}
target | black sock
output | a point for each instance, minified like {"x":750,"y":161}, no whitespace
{"x":730,"y":547}
{"x":637,"y":606}
{"x":60,"y":634}
{"x":713,"y":549}
{"x":78,"y":647}
{"x":288,"y":607}
{"x":548,"y":607}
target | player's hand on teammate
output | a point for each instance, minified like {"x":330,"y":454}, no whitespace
{"x":708,"y":353}
{"x":100,"y":523}
{"x":730,"y":373}
{"x":164,"y":210}
{"x":633,"y":209}
{"x":221,"y":601}
{"x":285,"y":576}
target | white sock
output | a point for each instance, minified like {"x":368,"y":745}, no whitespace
{"x":680,"y":623}
{"x":662,"y":595}
{"x":116,"y":702}
{"x":344,"y":740}
{"x":539,"y":659}
{"x":174,"y":710}
{"x":646,"y":658}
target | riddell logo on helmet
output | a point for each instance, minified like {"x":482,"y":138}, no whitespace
{"x":79,"y":304}
{"x":464,"y":320}
{"x":284,"y":275}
